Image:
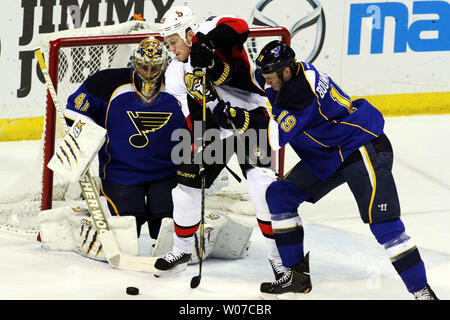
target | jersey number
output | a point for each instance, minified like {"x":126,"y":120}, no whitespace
{"x":336,"y":96}
{"x":288,"y":123}
{"x":79,"y":102}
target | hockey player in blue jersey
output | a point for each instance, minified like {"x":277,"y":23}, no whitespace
{"x":135,"y":166}
{"x":338,"y":141}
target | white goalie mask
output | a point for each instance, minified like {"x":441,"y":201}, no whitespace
{"x":149,"y":63}
{"x":176,"y":21}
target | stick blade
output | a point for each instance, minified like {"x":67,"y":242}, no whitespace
{"x":195,"y":281}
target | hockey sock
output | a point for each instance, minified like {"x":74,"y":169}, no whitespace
{"x":266,"y":228}
{"x":288,"y":232}
{"x":186,"y":216}
{"x":258,"y":183}
{"x":402,"y":251}
{"x":183,"y":237}
{"x":286,"y":223}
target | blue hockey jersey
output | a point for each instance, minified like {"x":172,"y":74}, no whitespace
{"x":138,"y":144}
{"x":318,"y":120}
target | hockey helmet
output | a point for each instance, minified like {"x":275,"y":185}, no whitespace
{"x":149,"y":63}
{"x":274,"y":57}
{"x":177,"y":20}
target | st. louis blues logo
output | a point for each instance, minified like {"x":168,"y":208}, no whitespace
{"x":146,"y":122}
{"x":275,"y":51}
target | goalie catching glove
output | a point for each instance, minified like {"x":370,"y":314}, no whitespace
{"x":233,"y":118}
{"x":79,"y":147}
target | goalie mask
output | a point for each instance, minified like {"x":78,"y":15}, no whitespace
{"x":149,"y":64}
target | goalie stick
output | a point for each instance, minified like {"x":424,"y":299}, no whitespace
{"x":90,"y":193}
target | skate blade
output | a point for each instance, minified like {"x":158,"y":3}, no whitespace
{"x":164,"y":273}
{"x":283,"y":296}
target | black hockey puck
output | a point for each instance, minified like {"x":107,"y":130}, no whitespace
{"x":133,"y":291}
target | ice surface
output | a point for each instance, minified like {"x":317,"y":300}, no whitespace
{"x":346,"y":261}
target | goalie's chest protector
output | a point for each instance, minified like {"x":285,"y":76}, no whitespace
{"x":138,"y":144}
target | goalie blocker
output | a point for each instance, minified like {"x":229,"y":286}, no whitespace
{"x":78,"y":148}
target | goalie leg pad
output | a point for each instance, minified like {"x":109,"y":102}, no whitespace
{"x":71,"y":229}
{"x":233,"y":240}
{"x":225,"y":238}
{"x":54,"y":228}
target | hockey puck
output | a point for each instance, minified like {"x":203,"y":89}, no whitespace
{"x":133,"y":291}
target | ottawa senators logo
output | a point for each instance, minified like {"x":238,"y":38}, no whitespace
{"x":195,"y":87}
{"x":146,"y":122}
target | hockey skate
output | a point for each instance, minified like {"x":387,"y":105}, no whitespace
{"x":277,"y":267}
{"x":425,"y":294}
{"x":172,"y":262}
{"x":295,"y":280}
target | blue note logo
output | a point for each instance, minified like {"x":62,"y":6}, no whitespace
{"x":276,"y":52}
{"x":146,"y":122}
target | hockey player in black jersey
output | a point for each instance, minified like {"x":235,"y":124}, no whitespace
{"x":338,"y":141}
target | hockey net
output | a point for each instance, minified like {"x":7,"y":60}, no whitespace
{"x":72,"y":56}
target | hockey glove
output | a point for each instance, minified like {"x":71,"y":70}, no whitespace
{"x":231,"y":117}
{"x":224,"y":37}
{"x":202,"y":55}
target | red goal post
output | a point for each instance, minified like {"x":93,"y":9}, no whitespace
{"x":53,"y":59}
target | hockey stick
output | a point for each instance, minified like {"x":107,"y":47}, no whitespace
{"x":195,"y":281}
{"x":90,"y":193}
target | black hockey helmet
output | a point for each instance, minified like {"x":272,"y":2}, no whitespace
{"x":274,"y":56}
